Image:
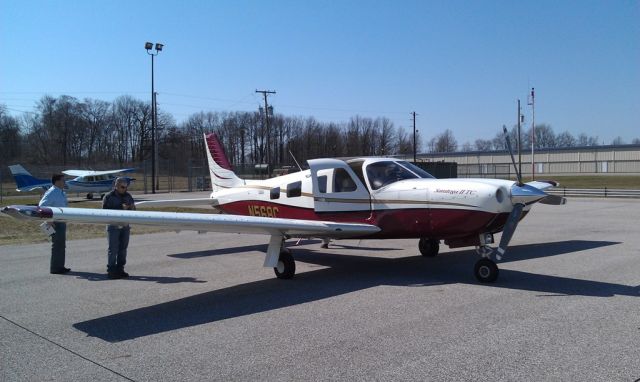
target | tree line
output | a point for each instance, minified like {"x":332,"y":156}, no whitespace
{"x":93,"y":133}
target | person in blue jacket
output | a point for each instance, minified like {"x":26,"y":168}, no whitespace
{"x":56,"y":197}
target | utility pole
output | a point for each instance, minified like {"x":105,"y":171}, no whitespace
{"x":266,"y":122}
{"x":414,"y":137}
{"x":532,"y":102}
{"x":520,"y":118}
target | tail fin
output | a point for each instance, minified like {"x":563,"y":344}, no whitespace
{"x":222,"y":175}
{"x":25,"y":181}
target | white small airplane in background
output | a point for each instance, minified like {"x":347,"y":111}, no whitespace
{"x":89,"y":181}
{"x":361,"y":198}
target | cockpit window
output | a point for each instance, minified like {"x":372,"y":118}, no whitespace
{"x":381,"y":174}
{"x":420,"y":172}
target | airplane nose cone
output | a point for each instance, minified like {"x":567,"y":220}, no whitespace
{"x":525,"y":194}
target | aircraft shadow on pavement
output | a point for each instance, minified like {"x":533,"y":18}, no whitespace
{"x":220,"y":251}
{"x":90,"y":276}
{"x":345,"y":274}
{"x":293,"y":245}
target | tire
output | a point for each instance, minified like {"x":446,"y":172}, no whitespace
{"x":90,"y":196}
{"x":286,"y":267}
{"x":486,"y":271}
{"x":429,"y":247}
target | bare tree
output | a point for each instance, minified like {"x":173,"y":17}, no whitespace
{"x":445,"y":142}
{"x":10,"y":138}
{"x":565,"y":139}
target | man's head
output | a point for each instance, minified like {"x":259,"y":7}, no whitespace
{"x":58,"y":180}
{"x":121,"y":185}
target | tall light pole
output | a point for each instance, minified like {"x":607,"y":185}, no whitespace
{"x":158,"y":48}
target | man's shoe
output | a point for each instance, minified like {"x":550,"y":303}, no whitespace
{"x":114,"y":275}
{"x":61,"y":271}
{"x":123,"y":274}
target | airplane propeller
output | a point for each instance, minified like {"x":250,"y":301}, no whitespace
{"x":506,"y":138}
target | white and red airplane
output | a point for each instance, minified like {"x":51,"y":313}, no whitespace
{"x":362,"y":198}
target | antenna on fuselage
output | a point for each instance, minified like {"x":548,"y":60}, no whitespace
{"x":294,"y":159}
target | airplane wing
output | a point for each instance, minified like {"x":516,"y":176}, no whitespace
{"x":95,"y":173}
{"x":175,"y":202}
{"x":197,"y":222}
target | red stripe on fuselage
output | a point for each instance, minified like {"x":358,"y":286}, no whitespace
{"x":440,"y":223}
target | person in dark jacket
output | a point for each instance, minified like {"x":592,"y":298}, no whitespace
{"x":55,"y":197}
{"x":118,"y":235}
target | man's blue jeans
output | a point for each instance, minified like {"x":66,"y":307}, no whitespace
{"x":118,"y":243}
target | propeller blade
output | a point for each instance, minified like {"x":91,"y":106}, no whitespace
{"x":506,"y":138}
{"x":554,"y":200}
{"x":509,"y":229}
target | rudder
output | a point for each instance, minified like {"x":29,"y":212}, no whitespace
{"x":222,"y":175}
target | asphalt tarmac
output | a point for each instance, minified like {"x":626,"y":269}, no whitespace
{"x":201,"y":307}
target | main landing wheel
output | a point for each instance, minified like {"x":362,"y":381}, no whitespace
{"x":90,"y":196}
{"x":429,"y":247}
{"x":286,"y":267}
{"x":486,"y":271}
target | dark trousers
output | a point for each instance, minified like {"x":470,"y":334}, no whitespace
{"x":118,"y":243}
{"x":58,"y":246}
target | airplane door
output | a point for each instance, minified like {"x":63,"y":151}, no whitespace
{"x":336,"y":188}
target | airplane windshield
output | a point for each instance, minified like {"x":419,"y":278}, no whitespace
{"x":420,"y":172}
{"x":381,"y":174}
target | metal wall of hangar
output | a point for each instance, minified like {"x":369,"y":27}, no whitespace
{"x":587,"y":160}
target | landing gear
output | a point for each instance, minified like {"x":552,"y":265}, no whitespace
{"x":486,"y":271}
{"x":90,"y":196}
{"x":429,"y":247}
{"x":286,"y":267}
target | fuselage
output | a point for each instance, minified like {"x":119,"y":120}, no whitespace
{"x":401,"y":199}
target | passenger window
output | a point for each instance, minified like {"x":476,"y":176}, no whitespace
{"x":275,"y":193}
{"x":342,"y":181}
{"x":322,"y":184}
{"x":294,"y":189}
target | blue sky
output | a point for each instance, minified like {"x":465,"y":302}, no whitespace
{"x":461,"y":65}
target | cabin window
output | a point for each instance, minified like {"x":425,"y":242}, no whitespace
{"x":322,"y":184}
{"x":342,"y":181}
{"x":275,"y":193}
{"x":89,"y":179}
{"x":294,"y":189}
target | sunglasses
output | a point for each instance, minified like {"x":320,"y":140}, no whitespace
{"x":122,"y":187}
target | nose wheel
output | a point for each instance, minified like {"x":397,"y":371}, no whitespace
{"x":486,"y":271}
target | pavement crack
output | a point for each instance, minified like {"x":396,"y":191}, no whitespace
{"x":65,"y":348}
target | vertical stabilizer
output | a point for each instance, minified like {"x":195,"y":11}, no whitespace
{"x":27,"y":182}
{"x":222,"y":175}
